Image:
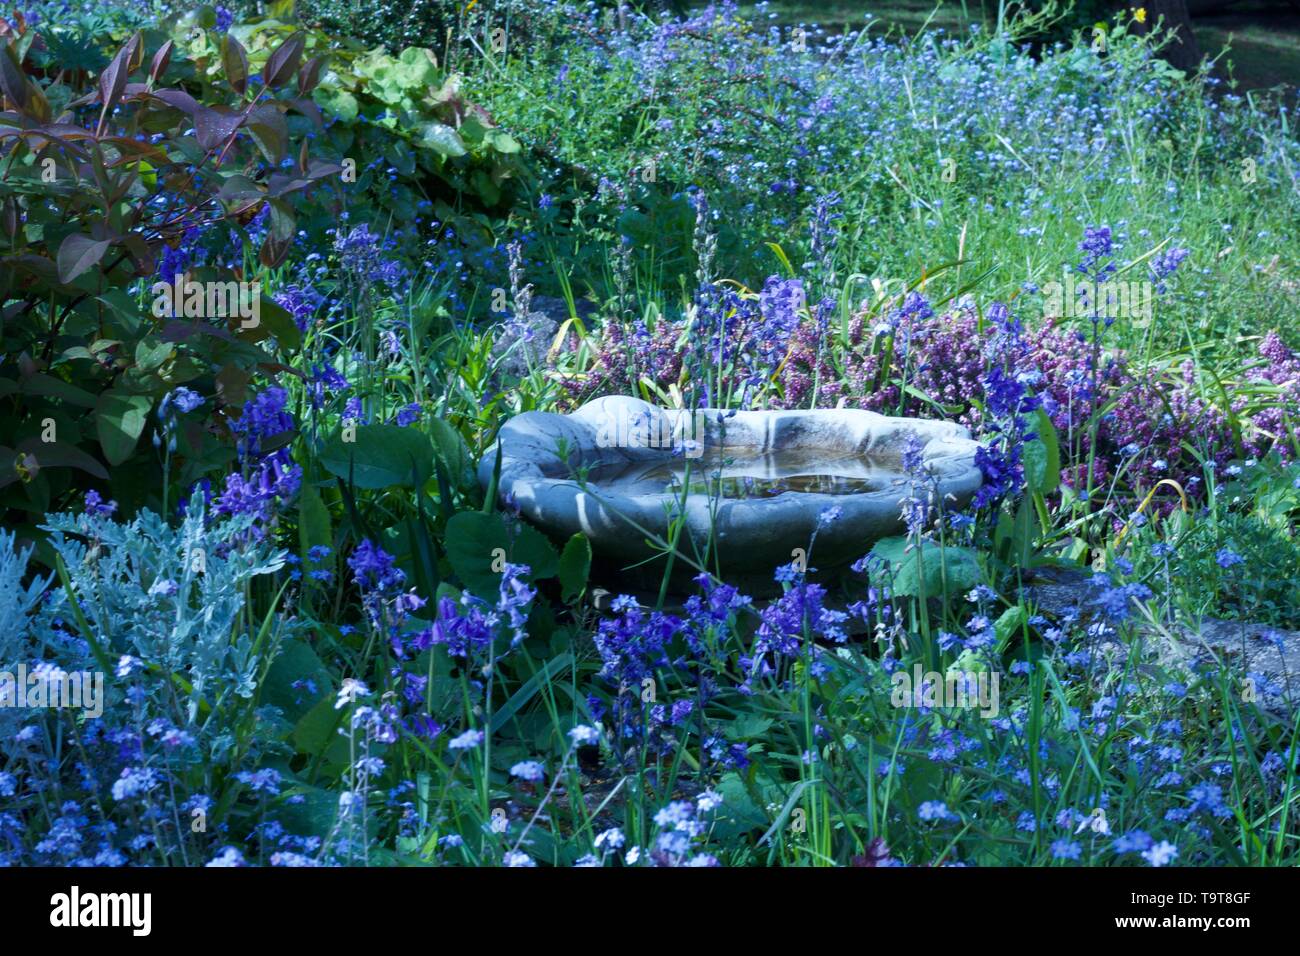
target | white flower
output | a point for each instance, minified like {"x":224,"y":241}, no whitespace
{"x":530,"y":770}
{"x":349,"y":691}
{"x":469,"y":739}
{"x":128,"y":664}
{"x":708,"y":800}
{"x":515,"y":858}
{"x":1096,"y":822}
{"x":228,"y":857}
{"x":1160,"y":854}
{"x":585,"y":734}
{"x":47,"y":673}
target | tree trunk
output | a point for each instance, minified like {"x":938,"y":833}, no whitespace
{"x":1182,"y":50}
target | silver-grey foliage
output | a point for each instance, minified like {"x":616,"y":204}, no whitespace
{"x":173,"y":597}
{"x":16,"y":600}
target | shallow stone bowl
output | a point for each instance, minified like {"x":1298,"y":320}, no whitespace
{"x":758,"y":482}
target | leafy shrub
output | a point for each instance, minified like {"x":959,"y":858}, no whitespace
{"x":110,"y":179}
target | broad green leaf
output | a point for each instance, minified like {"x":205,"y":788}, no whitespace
{"x":925,"y":566}
{"x":314,"y":524}
{"x":298,"y":664}
{"x":52,"y":386}
{"x":336,"y":102}
{"x":78,"y":253}
{"x":278,"y":321}
{"x":575,"y":565}
{"x":478,"y":545}
{"x":316,"y":729}
{"x":441,"y":138}
{"x":501,"y":141}
{"x":120,"y":419}
{"x":1042,"y":457}
{"x":452,"y":451}
{"x":380,"y":456}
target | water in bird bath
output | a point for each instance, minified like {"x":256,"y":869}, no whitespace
{"x":748,"y":474}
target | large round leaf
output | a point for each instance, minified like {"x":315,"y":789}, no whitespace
{"x":119,"y":419}
{"x":379,"y":456}
{"x":478,"y":544}
{"x":925,"y":567}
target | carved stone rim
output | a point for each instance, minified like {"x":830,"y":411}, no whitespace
{"x":538,"y":479}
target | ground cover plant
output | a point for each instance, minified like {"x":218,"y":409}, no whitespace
{"x":270,"y":290}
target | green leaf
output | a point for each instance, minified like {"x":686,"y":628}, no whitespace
{"x":441,"y":138}
{"x":315,"y":730}
{"x":740,"y":813}
{"x":279,"y":322}
{"x":337,"y":102}
{"x":62,"y":455}
{"x":575,"y":565}
{"x":120,"y":418}
{"x":77,"y":253}
{"x":1042,"y":457}
{"x":313,"y":812}
{"x":479,"y":544}
{"x":452,"y":451}
{"x":381,"y":456}
{"x":54,"y":387}
{"x":749,"y":727}
{"x":1009,"y":626}
{"x":296,"y":662}
{"x":313,"y":523}
{"x":927,"y":568}
{"x":501,"y":141}
{"x":969,"y":661}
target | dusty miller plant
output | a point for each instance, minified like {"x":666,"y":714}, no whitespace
{"x":173,"y":597}
{"x":17,"y":603}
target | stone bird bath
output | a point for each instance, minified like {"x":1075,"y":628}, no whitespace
{"x":758,"y":481}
